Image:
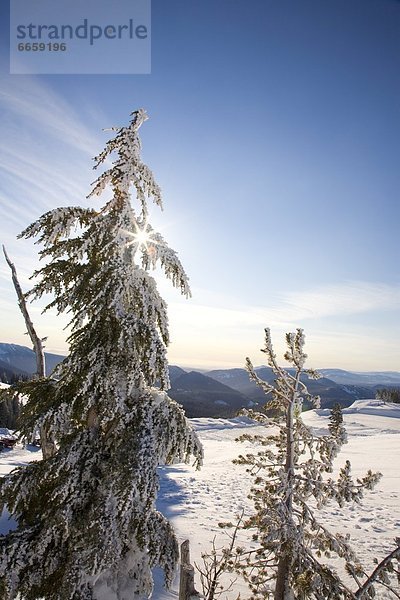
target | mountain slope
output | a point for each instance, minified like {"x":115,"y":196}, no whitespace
{"x":372,"y":378}
{"x":329,"y":391}
{"x":174,"y":373}
{"x":238,"y":379}
{"x":10,"y":374}
{"x":203,"y":396}
{"x":24,"y":359}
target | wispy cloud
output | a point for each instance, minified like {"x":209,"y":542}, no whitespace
{"x":45,"y":159}
{"x":45,"y":156}
{"x":291,"y":309}
{"x":27,"y":100}
{"x":341,"y":299}
{"x":45,"y":152}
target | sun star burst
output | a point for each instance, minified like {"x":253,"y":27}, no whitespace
{"x":141,"y":238}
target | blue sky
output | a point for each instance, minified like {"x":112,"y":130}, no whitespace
{"x":274,"y":134}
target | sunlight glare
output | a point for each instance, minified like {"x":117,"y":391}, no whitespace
{"x":141,"y":237}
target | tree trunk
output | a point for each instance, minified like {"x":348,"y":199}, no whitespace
{"x":46,"y":441}
{"x":187,"y":590}
{"x":92,"y":418}
{"x":282,"y":586}
{"x":185,"y":553}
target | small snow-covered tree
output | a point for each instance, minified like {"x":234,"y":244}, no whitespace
{"x":336,"y":427}
{"x":87,"y":523}
{"x":291,"y":474}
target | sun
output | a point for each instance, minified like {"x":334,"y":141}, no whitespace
{"x":141,"y":238}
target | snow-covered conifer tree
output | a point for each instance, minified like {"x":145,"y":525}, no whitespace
{"x":291,"y":469}
{"x":336,"y":427}
{"x":87,"y":523}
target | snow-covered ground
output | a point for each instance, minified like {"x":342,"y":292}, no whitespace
{"x":196,"y":501}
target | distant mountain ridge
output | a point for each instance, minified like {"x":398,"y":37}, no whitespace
{"x":329,"y":391}
{"x":221,"y":392}
{"x":24,"y":359}
{"x":203,"y":396}
{"x":372,"y":378}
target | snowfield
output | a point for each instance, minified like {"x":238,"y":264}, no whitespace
{"x":196,"y":501}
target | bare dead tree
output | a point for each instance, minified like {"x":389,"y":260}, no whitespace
{"x":36,"y":341}
{"x":46,"y":441}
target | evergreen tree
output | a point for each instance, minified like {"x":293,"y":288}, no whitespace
{"x":5,"y":411}
{"x":336,"y":427}
{"x":290,"y":469}
{"x":87,"y":523}
{"x":10,"y":408}
{"x":388,"y":395}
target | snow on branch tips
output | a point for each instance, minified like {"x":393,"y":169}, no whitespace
{"x":291,"y":469}
{"x":87,"y":522}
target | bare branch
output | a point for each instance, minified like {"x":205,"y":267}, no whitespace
{"x":360,"y":593}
